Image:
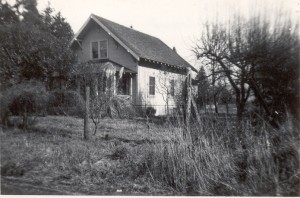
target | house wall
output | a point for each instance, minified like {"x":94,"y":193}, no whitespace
{"x":140,"y":81}
{"x":159,"y":100}
{"x":116,"y":52}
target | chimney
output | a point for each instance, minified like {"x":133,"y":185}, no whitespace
{"x":131,"y":27}
{"x":174,"y":49}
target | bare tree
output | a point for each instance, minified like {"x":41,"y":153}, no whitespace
{"x":243,"y":48}
{"x":166,"y":87}
{"x":221,"y":45}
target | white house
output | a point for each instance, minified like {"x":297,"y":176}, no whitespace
{"x":153,"y":72}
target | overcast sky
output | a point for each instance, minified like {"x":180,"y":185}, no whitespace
{"x":176,"y":22}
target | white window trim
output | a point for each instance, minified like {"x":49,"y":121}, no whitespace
{"x":91,"y":49}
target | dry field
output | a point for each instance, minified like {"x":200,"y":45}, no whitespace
{"x":52,"y":154}
{"x":132,"y":157}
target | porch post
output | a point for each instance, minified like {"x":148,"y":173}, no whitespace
{"x":130,"y":88}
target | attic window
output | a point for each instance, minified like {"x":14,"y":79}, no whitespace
{"x":99,"y":49}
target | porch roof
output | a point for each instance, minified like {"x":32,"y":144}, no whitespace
{"x":96,"y":68}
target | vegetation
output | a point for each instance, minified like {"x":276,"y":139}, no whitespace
{"x":125,"y":155}
{"x":26,"y":99}
{"x":209,"y":155}
{"x":33,"y":45}
{"x":248,"y":52}
{"x":64,"y":102}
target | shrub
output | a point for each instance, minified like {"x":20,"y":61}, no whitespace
{"x":62,"y":102}
{"x":150,"y":112}
{"x":112,"y":106}
{"x":118,"y":107}
{"x":24,"y":99}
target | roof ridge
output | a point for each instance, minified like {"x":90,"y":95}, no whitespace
{"x":131,"y":29}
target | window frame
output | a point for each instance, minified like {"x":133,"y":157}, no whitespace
{"x":172,"y":87}
{"x":92,"y":54}
{"x":99,"y":49}
{"x":152,"y":86}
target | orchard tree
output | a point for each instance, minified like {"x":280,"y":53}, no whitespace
{"x":244,"y":48}
{"x":215,"y":45}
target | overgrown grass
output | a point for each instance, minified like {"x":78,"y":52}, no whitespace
{"x":209,"y":159}
{"x":149,"y":159}
{"x":52,"y":153}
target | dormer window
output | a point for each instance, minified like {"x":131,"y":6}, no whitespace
{"x":99,"y":49}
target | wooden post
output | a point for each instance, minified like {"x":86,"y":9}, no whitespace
{"x":86,"y":134}
{"x":196,"y":110}
{"x":95,"y":78}
{"x":189,"y":98}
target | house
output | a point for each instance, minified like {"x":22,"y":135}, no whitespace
{"x":152,"y":72}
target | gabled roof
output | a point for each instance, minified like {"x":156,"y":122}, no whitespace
{"x":138,"y":44}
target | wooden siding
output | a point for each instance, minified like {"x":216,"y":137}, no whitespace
{"x":116,"y":52}
{"x":162,"y":80}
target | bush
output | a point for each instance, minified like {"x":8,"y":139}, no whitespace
{"x":24,"y":99}
{"x":64,"y":102}
{"x":114,"y":107}
{"x":150,"y":112}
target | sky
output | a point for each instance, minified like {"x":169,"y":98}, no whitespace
{"x":176,"y":22}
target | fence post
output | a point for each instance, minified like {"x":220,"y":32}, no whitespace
{"x":86,"y":134}
{"x":188,"y":102}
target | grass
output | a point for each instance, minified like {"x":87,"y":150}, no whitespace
{"x":53,"y":153}
{"x":160,"y":160}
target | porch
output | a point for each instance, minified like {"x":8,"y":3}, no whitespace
{"x":106,"y":78}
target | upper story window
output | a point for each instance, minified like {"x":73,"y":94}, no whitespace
{"x":99,"y":49}
{"x":151,"y":85}
{"x":95,"y":47}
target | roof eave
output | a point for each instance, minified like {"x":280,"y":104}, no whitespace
{"x":80,"y":30}
{"x":109,"y":33}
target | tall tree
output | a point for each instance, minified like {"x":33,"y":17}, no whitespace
{"x":203,"y":88}
{"x":33,"y":46}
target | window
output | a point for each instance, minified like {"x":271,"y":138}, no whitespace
{"x":95,"y":53}
{"x":172,"y":87}
{"x":99,"y":49}
{"x":103,"y":49}
{"x":152,"y":85}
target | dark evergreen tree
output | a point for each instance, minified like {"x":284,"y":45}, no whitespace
{"x":33,"y":46}
{"x":203,"y":88}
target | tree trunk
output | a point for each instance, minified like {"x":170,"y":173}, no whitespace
{"x":215,"y":104}
{"x":242,"y":159}
{"x":25,"y":118}
{"x":78,"y":85}
{"x":263,"y":104}
{"x":227,"y":108}
{"x":86,"y":134}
